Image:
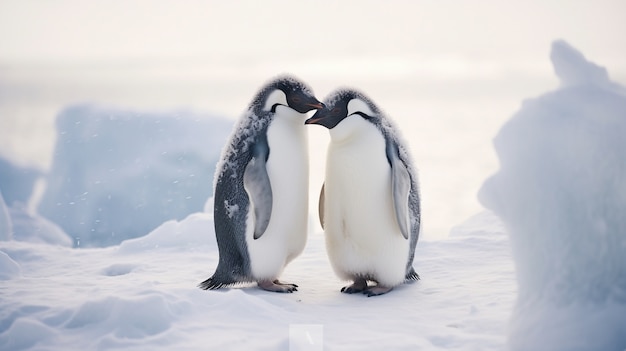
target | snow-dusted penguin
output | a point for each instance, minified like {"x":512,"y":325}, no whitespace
{"x":261,"y":188}
{"x":369,"y":204}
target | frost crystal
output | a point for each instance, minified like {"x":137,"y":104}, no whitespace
{"x":230,"y":209}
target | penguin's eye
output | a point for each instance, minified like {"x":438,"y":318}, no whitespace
{"x":295,"y":99}
{"x":336,"y":110}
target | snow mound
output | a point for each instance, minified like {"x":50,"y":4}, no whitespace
{"x":119,"y":174}
{"x":34,"y":228}
{"x":195,"y":230}
{"x":24,"y":334}
{"x":131,"y":318}
{"x":561,"y":192}
{"x":573,"y":69}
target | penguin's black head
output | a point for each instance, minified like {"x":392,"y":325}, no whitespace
{"x":341,"y":104}
{"x":286,"y":91}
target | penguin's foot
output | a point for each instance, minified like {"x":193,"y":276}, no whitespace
{"x":277,"y":286}
{"x":377,"y":290}
{"x":359,"y":285}
{"x":278,"y":282}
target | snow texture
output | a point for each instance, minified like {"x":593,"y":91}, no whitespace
{"x":561,"y":191}
{"x":9,"y":269}
{"x":119,"y":174}
{"x":142,"y":295}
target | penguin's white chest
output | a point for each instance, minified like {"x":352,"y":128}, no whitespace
{"x":288,"y":171}
{"x":363,"y":238}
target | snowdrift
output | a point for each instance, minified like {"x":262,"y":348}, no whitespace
{"x":561,"y":191}
{"x":143,"y":295}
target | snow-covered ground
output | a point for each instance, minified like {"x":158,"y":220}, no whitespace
{"x":142,"y":294}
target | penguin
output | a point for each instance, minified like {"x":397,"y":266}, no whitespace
{"x":261,"y":188}
{"x":369,"y":204}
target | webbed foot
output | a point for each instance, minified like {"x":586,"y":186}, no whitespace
{"x":277,"y":286}
{"x":358,"y":286}
{"x":278,"y":282}
{"x":377,"y":290}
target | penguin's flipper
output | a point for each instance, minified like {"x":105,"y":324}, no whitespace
{"x":400,"y":188}
{"x":257,"y":184}
{"x":320,"y":206}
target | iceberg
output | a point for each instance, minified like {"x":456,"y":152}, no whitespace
{"x":561,"y":193}
{"x":120,"y":174}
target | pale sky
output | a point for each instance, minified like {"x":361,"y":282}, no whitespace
{"x":474,"y":30}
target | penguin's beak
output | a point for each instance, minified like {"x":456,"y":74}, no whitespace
{"x":326,"y":117}
{"x":318,"y":117}
{"x":306,"y":104}
{"x":318,"y":105}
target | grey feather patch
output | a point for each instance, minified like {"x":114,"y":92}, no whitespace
{"x":257,"y":184}
{"x":320,"y":207}
{"x":401,"y":185}
{"x":400,"y":188}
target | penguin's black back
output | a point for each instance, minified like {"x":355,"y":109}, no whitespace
{"x":231,"y":204}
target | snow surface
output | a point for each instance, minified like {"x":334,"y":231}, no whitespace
{"x":142,"y":295}
{"x":561,"y":192}
{"x":9,"y":269}
{"x":119,"y":174}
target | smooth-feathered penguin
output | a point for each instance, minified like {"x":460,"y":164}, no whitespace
{"x":369,"y":204}
{"x":261,"y":188}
